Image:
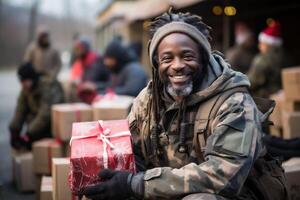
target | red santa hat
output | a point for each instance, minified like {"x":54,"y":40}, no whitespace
{"x":272,"y":34}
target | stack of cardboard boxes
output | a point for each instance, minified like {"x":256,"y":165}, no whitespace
{"x":292,"y":173}
{"x":286,"y":119}
{"x":52,"y":155}
{"x":286,"y":115}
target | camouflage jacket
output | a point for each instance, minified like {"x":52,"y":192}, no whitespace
{"x":265,"y":72}
{"x":233,"y":146}
{"x":34,"y":107}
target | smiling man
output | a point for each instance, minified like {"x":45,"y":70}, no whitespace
{"x":196,"y":129}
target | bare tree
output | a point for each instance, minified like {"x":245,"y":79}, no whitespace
{"x":33,"y":19}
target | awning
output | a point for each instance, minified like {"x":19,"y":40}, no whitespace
{"x":130,"y":11}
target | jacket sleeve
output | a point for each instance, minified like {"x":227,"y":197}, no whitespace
{"x":28,"y":56}
{"x":232,"y":148}
{"x":51,"y":94}
{"x":20,"y":114}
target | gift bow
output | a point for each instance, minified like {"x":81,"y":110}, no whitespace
{"x":104,"y":136}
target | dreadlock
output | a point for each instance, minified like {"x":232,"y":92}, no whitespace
{"x":157,"y":85}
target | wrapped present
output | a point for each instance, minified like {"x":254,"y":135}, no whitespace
{"x":43,"y":151}
{"x":98,"y":145}
{"x":63,"y":115}
{"x":60,"y":173}
{"x":112,"y":107}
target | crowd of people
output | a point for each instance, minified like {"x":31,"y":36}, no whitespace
{"x":263,"y":68}
{"x":197,"y":132}
{"x":118,"y":70}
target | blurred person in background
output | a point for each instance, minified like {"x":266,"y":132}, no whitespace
{"x":265,"y":70}
{"x":88,"y":71}
{"x":128,"y":75}
{"x":242,"y":53}
{"x":137,"y":48}
{"x":73,"y":55}
{"x":33,"y":108}
{"x":45,"y":58}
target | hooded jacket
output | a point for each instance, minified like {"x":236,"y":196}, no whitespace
{"x":232,"y":147}
{"x":128,"y":76}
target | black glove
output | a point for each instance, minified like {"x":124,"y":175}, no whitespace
{"x":26,"y":141}
{"x":20,"y":142}
{"x":116,"y":186}
{"x":15,"y":141}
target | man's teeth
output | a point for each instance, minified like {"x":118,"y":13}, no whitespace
{"x":180,"y":77}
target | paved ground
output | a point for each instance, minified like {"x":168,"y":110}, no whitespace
{"x":9,"y":88}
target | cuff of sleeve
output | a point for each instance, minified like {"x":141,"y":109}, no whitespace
{"x":137,"y":185}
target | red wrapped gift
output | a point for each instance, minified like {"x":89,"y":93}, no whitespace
{"x":98,"y":145}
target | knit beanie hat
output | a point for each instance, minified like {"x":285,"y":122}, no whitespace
{"x":177,"y":27}
{"x":272,"y":34}
{"x":27,"y":72}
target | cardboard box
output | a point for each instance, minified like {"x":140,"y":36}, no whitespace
{"x":43,"y":151}
{"x":291,"y":83}
{"x":67,"y":150}
{"x":276,"y":115}
{"x":46,"y":188}
{"x":291,"y":124}
{"x":276,"y":131}
{"x":291,"y":106}
{"x":292,"y":172}
{"x":23,"y":170}
{"x":60,"y":173}
{"x":14,"y":153}
{"x":98,"y":145}
{"x":63,"y":115}
{"x":114,"y":108}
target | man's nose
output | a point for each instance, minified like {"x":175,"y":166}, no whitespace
{"x":178,"y":65}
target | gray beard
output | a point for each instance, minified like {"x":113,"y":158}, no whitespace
{"x":183,"y":91}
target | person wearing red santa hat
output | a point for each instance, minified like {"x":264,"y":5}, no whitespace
{"x":264,"y":73}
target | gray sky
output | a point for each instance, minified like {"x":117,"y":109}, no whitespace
{"x":83,"y":9}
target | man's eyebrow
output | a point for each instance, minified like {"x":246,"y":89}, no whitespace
{"x":168,"y":52}
{"x":187,"y":50}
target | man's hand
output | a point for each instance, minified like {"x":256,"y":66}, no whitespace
{"x":116,"y":186}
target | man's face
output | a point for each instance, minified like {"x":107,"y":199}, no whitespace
{"x":44,"y":40}
{"x":263,"y":47}
{"x":79,"y":51}
{"x":26,"y":84}
{"x":110,"y":63}
{"x":179,"y":63}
